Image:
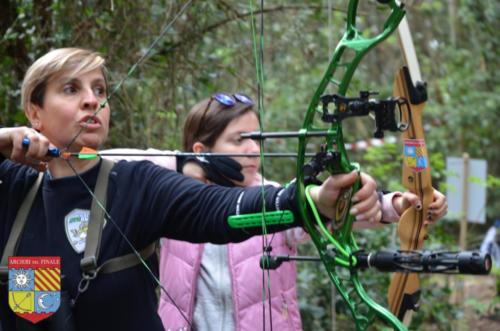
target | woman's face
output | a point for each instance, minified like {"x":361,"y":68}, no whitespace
{"x":69,"y":103}
{"x":230,"y":141}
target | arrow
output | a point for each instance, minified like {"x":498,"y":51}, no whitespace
{"x":90,"y":153}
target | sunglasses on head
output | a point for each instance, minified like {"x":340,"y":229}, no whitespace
{"x":230,"y":100}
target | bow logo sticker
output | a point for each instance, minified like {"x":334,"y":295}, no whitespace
{"x":415,"y":155}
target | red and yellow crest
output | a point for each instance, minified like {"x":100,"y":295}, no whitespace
{"x":34,"y":286}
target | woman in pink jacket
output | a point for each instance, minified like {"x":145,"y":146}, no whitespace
{"x":219,"y":287}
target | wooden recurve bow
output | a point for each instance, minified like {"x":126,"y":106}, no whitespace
{"x":404,"y":289}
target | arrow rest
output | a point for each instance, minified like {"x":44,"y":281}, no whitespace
{"x":418,"y":91}
{"x":318,"y":164}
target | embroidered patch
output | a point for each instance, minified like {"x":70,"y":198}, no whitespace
{"x":76,"y":224}
{"x":34,"y":286}
{"x":415,"y":155}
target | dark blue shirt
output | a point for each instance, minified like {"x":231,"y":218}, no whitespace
{"x":146,"y":202}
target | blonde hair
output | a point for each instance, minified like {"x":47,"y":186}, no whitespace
{"x":63,"y":60}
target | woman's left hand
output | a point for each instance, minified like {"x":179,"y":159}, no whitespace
{"x":437,"y":208}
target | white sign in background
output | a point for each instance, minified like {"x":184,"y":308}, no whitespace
{"x":476,"y":197}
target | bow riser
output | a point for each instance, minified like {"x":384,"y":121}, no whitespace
{"x":404,"y":290}
{"x":416,"y":178}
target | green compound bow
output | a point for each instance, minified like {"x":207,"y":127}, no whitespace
{"x":338,"y":249}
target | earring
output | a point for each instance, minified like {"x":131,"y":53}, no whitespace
{"x":35,"y":125}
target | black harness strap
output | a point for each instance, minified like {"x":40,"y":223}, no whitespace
{"x":126,"y":261}
{"x":94,"y":233}
{"x":96,"y":219}
{"x":17,"y":228}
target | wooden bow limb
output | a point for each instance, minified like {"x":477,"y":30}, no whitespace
{"x":404,"y":289}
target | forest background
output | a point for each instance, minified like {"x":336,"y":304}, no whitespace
{"x":209,"y":49}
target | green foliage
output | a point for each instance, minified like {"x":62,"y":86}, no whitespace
{"x":383,"y":163}
{"x":493,"y":182}
{"x":436,"y":310}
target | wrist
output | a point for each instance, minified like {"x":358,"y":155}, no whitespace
{"x":391,"y":209}
{"x":396,"y":199}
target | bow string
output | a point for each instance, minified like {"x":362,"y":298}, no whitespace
{"x":101,"y":106}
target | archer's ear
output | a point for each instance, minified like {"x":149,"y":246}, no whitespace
{"x":33,"y":114}
{"x":199,"y":147}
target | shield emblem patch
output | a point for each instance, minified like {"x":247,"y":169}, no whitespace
{"x":415,"y":154}
{"x":34,"y":286}
{"x":76,"y":224}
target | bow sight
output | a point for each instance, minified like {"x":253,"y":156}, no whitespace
{"x":386,"y":118}
{"x":387,"y":115}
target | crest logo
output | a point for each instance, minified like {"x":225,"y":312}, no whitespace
{"x":415,"y":154}
{"x":76,"y":224}
{"x":34,"y":286}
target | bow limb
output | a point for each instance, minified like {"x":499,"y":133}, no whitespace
{"x":404,"y":289}
{"x":336,"y":249}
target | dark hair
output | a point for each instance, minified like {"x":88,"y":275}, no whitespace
{"x":208,"y":119}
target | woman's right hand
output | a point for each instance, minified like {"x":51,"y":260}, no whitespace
{"x":366,"y":206}
{"x":35,"y":155}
